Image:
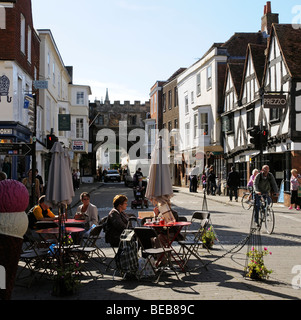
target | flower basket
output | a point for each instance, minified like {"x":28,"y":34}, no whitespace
{"x":256,"y":268}
{"x":208,"y":238}
{"x":64,"y":286}
{"x":66,"y":280}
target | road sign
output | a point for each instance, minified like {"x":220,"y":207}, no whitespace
{"x":16,"y":149}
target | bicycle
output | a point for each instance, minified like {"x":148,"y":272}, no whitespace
{"x":245,"y":202}
{"x":265,"y":214}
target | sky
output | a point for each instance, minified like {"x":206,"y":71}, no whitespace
{"x":128,"y":45}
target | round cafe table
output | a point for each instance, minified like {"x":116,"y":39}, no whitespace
{"x":56,"y":230}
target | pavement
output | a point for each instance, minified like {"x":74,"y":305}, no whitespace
{"x":224,"y":279}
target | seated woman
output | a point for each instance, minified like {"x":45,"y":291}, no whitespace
{"x":87,"y":211}
{"x":117,"y":220}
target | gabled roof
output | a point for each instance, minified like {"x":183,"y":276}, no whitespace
{"x":289,"y":40}
{"x":236,"y":71}
{"x":258,"y":57}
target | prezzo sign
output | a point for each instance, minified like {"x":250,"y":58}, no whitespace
{"x":274,"y":101}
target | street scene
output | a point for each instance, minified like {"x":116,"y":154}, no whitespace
{"x":224,"y":279}
{"x":118,"y":186}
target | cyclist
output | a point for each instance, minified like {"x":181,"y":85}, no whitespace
{"x":263,"y":183}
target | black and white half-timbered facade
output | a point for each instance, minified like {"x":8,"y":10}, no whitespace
{"x":267,"y":96}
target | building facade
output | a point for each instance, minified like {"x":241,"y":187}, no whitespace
{"x":19,"y":66}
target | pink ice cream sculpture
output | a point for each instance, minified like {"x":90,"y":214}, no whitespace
{"x":14,"y":200}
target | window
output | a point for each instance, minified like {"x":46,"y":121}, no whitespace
{"x":187,"y":133}
{"x":80,"y":98}
{"x":164,"y":102}
{"x":250,"y":118}
{"x":29,"y":35}
{"x":169,"y":99}
{"x":204,"y":123}
{"x":48,"y":64}
{"x":132,"y":120}
{"x":80,"y":128}
{"x":186,"y":103}
{"x":176,"y":126}
{"x":22,"y":34}
{"x":198,"y":84}
{"x":275,"y":114}
{"x":192,"y":97}
{"x":243,"y":174}
{"x":195,"y":125}
{"x":53,"y":73}
{"x":169,"y":126}
{"x":175,"y":96}
{"x":209,"y":77}
{"x":100,"y":120}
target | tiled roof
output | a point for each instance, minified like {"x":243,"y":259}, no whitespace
{"x":238,"y":43}
{"x":289,"y":39}
{"x":236,"y":70}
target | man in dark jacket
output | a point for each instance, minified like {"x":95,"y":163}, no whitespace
{"x":233,"y":183}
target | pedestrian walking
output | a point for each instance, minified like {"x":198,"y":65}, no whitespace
{"x":193,"y":177}
{"x":295,"y":182}
{"x":211,"y":180}
{"x":28,"y":184}
{"x":233,"y":183}
{"x":39,"y":177}
{"x":77,"y":179}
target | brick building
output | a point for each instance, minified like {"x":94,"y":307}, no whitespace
{"x":19,"y":66}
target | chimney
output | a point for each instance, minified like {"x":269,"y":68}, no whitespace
{"x":268,"y":19}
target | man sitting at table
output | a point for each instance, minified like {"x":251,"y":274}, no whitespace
{"x":41,"y":212}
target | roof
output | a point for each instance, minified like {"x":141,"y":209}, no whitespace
{"x":258,"y":57}
{"x":236,"y":71}
{"x":289,"y":39}
{"x":238,"y":43}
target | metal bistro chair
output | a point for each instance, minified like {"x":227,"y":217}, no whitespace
{"x":35,"y":258}
{"x":193,"y":238}
{"x":144,"y":236}
{"x":88,"y":248}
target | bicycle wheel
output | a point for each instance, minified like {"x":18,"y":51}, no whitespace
{"x":245,"y":203}
{"x":255,"y":225}
{"x":269,"y":220}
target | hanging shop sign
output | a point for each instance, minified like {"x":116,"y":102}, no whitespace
{"x":274,"y":101}
{"x":4,"y":88}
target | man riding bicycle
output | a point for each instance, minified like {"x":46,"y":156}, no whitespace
{"x":263,"y":183}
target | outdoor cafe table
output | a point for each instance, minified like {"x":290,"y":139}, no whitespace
{"x":55,"y":231}
{"x":169,"y":240}
{"x":71,"y":222}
